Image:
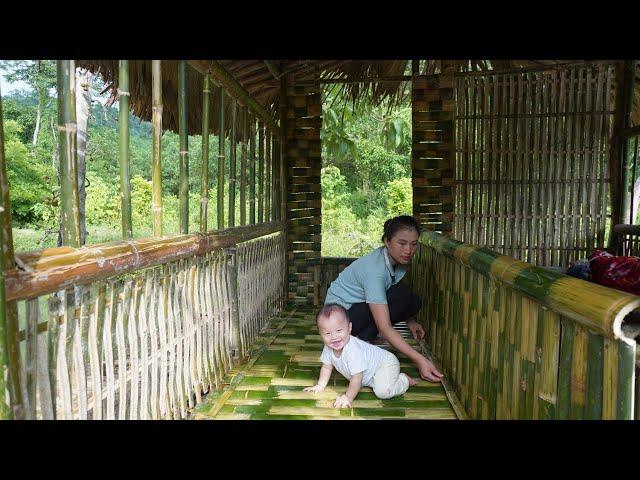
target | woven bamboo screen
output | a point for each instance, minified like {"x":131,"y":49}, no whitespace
{"x":148,"y":344}
{"x":519,"y":342}
{"x":304,"y":162}
{"x":531,"y":162}
{"x":326,"y":270}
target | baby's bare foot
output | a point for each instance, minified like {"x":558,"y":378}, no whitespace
{"x":412,"y":381}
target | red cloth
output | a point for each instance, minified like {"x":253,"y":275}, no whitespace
{"x":622,"y":273}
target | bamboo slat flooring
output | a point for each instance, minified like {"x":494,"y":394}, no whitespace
{"x":286,"y":358}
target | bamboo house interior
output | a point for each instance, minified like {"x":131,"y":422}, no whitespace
{"x":519,"y":168}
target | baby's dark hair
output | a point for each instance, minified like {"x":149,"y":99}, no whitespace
{"x":329,"y":309}
{"x":393,"y":225}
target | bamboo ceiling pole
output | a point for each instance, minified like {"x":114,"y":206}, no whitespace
{"x":204,"y":174}
{"x":232,"y":165}
{"x":260,"y":172}
{"x":156,"y":124}
{"x":123,"y":125}
{"x":7,"y":247}
{"x":69,"y":202}
{"x":252,"y":170}
{"x":243,"y":167}
{"x":184,"y":146}
{"x":221,"y":161}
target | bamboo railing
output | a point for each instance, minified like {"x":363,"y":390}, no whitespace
{"x":141,"y":329}
{"x":517,"y":341}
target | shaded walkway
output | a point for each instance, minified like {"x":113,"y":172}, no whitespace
{"x":285,"y":359}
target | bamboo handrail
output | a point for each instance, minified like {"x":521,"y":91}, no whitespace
{"x":597,"y":307}
{"x":53,"y":269}
{"x":625,"y":229}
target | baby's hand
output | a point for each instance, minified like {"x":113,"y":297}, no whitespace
{"x":342,"y":401}
{"x":315,"y":388}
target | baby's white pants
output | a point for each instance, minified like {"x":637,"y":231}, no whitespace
{"x":388,"y":381}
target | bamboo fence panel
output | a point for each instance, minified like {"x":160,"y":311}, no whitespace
{"x":520,"y":342}
{"x":147,"y":343}
{"x":531,"y":162}
{"x":326,"y":271}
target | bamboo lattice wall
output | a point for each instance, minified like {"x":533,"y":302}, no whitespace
{"x":150,"y":343}
{"x":520,"y":342}
{"x":531,"y":162}
{"x":304,"y":162}
{"x":325,"y":271}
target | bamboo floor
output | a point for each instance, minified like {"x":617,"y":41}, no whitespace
{"x":286,"y":358}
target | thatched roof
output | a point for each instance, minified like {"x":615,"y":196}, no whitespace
{"x":261,"y":79}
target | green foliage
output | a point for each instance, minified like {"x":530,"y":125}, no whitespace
{"x":399,"y":195}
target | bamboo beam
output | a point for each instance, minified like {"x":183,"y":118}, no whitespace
{"x":54,"y":269}
{"x":243,"y":166}
{"x":235,"y":90}
{"x":275,"y":71}
{"x":204,"y":175}
{"x":123,"y":125}
{"x":221,"y":161}
{"x":184,"y":146}
{"x":7,"y":247}
{"x":345,"y":81}
{"x":232,"y":165}
{"x":67,"y":152}
{"x":156,"y":132}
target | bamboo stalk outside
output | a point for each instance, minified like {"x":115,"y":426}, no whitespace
{"x":184,"y":146}
{"x":123,"y":124}
{"x":156,"y":129}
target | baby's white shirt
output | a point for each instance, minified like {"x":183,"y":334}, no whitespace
{"x":357,"y":356}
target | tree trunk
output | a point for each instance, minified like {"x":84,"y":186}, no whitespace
{"x":36,"y":130}
{"x":83,"y":107}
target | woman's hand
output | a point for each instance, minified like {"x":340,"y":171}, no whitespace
{"x":417,"y":330}
{"x":315,"y":388}
{"x":342,"y":401}
{"x":429,"y":372}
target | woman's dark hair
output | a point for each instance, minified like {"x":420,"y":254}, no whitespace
{"x":393,"y":225}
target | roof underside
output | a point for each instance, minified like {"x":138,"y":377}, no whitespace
{"x":261,"y":79}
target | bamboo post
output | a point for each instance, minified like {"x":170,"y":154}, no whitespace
{"x":232,"y":166}
{"x":123,"y":124}
{"x":204,"y":175}
{"x":183,"y":128}
{"x":221,"y":162}
{"x":5,"y":309}
{"x":232,"y":270}
{"x":260,"y":172}
{"x":252,"y":171}
{"x":243,"y":167}
{"x":156,"y":124}
{"x":267,"y":174}
{"x":283,"y":146}
{"x":69,"y":202}
{"x":275,"y":174}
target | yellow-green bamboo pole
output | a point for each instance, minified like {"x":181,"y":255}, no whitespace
{"x":156,"y":123}
{"x":252,"y":171}
{"x":123,"y":123}
{"x":221,"y":161}
{"x":69,"y":201}
{"x":232,"y":166}
{"x":243,"y":167}
{"x":260,"y":172}
{"x":5,"y":240}
{"x":204,"y":175}
{"x":183,"y":128}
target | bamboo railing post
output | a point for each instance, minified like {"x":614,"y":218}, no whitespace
{"x":243,"y":167}
{"x":183,"y":128}
{"x":232,"y":166}
{"x":156,"y":124}
{"x":260,"y":172}
{"x":252,"y":171}
{"x":123,"y":124}
{"x":204,"y":175}
{"x":69,"y":202}
{"x":6,"y":242}
{"x":231,"y":255}
{"x":221,"y":161}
